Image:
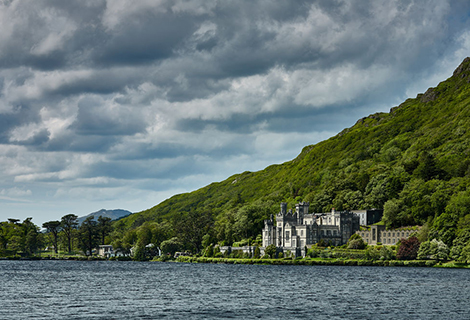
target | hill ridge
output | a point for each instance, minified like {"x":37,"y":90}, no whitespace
{"x":412,"y":161}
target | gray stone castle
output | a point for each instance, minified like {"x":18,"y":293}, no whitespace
{"x":294,"y":231}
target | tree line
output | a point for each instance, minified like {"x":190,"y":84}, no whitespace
{"x":26,"y":239}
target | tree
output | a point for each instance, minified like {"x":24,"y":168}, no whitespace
{"x":439,"y":250}
{"x":104,"y":227}
{"x":465,"y":254}
{"x":30,"y":233}
{"x":88,"y":234}
{"x":139,"y":254}
{"x":170,"y":246}
{"x":408,"y":249}
{"x":209,"y":251}
{"x":386,"y":253}
{"x":270,"y":251}
{"x":356,"y":242}
{"x":192,"y":227}
{"x":206,"y":240}
{"x":435,"y":249}
{"x":257,"y":253}
{"x":424,"y":251}
{"x":392,"y":210}
{"x":68,"y":223}
{"x":427,"y":168}
{"x":53,"y":227}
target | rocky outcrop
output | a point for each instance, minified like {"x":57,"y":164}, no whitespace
{"x":463,"y":70}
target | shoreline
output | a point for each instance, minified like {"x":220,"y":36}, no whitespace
{"x":285,"y":261}
{"x":329,"y":262}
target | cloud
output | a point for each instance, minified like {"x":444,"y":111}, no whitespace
{"x":125,"y":100}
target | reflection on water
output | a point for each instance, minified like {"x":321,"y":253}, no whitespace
{"x":135,"y":290}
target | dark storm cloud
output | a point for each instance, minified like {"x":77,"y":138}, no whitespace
{"x":95,"y":119}
{"x":19,"y":115}
{"x":143,"y":38}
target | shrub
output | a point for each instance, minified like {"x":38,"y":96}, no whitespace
{"x":312,"y":253}
{"x":356,"y":244}
{"x":408,"y":249}
{"x":395,"y":263}
{"x":465,"y":254}
{"x":372,"y":254}
{"x":386,"y":253}
{"x":257,"y":253}
{"x":270,"y":250}
{"x":435,"y":249}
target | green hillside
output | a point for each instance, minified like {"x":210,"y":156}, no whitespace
{"x":413,"y":162}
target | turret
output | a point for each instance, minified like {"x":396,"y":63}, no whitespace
{"x":301,"y":209}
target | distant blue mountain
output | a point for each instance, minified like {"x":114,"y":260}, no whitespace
{"x":113,"y":214}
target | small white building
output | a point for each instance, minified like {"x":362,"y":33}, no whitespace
{"x":106,"y":251}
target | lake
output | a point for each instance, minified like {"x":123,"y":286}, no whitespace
{"x":152,"y":290}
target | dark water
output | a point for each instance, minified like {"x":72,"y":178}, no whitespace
{"x":130,"y":290}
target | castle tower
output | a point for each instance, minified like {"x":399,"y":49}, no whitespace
{"x":301,"y":209}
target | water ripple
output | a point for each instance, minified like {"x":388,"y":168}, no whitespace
{"x":128,"y":290}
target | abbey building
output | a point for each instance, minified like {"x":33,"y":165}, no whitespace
{"x":295,"y":230}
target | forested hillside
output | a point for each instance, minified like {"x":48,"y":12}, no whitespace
{"x":413,"y":162}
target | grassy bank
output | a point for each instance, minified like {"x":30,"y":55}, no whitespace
{"x":326,"y":262}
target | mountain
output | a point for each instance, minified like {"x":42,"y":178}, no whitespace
{"x":113,"y":214}
{"x":413,"y":162}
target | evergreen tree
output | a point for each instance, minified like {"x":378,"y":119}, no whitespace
{"x":53,"y":227}
{"x":104,"y":227}
{"x":69,"y":223}
{"x":88,"y":235}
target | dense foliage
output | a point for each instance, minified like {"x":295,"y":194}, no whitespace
{"x":24,"y":239}
{"x":19,"y":238}
{"x":412,"y":162}
{"x":408,"y":249}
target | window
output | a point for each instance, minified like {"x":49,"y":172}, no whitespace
{"x":287,"y":235}
{"x":301,"y":232}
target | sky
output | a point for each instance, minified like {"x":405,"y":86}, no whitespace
{"x":122,"y":104}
